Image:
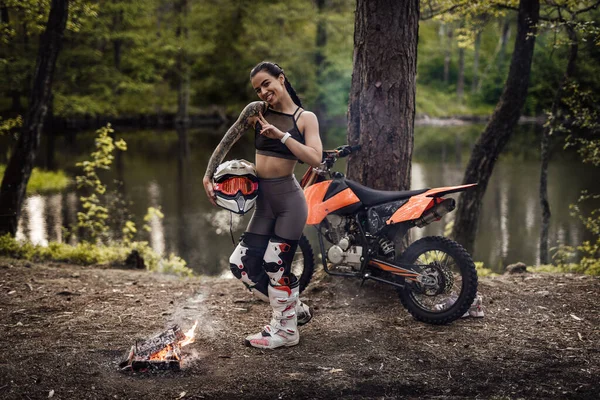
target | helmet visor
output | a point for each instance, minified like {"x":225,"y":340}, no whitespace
{"x":237,"y":184}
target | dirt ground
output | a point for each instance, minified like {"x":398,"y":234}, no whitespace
{"x":64,"y":330}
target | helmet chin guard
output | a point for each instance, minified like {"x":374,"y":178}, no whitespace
{"x":236,"y":186}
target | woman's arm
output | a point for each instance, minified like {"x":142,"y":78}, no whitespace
{"x":233,"y":134}
{"x":312,"y":151}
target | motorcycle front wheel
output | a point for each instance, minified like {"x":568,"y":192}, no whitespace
{"x":449,"y":280}
{"x":303,"y":264}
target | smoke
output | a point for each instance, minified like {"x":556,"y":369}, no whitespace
{"x":195,"y":309}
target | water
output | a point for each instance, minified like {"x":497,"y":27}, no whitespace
{"x":155,"y":175}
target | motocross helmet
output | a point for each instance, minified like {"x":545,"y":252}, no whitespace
{"x":236,"y":186}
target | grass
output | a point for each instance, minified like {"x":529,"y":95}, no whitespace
{"x":89,"y":254}
{"x":438,"y":103}
{"x":43,"y":181}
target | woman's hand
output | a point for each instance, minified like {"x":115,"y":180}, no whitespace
{"x":268,"y":130}
{"x":208,"y":187}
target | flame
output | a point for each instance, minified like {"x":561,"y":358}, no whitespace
{"x":165,"y":354}
{"x":189,"y":335}
{"x":171,"y":351}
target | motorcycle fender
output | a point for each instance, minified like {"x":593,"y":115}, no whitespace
{"x":413,"y":209}
{"x":417,"y":205}
{"x":319,"y":208}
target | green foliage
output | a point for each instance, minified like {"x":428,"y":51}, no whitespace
{"x":43,"y":181}
{"x":93,"y":219}
{"x":10,"y":124}
{"x":124,"y":57}
{"x":89,"y":254}
{"x":482,"y":271}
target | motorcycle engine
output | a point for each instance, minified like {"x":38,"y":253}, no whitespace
{"x":344,"y":252}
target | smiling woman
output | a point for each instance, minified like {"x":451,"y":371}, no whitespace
{"x":284,"y":134}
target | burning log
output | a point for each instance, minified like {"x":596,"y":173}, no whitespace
{"x":161,"y":352}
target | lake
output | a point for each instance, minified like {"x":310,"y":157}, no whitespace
{"x":154,"y":174}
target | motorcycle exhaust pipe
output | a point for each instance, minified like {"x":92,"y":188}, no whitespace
{"x":436,"y":212}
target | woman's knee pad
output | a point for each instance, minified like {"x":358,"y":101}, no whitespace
{"x":246,"y":261}
{"x":278,"y":259}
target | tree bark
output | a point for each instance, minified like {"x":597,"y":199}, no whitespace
{"x":382,"y":96}
{"x":448,"y":56}
{"x":500,"y":128}
{"x":545,"y":145}
{"x":321,"y":41}
{"x":18,"y":170}
{"x":504,"y":40}
{"x":183,"y":69}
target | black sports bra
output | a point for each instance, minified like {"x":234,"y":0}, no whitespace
{"x":285,"y":123}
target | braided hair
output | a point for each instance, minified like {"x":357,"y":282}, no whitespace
{"x":275,"y":70}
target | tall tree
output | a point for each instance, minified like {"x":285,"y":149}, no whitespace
{"x":382,"y":97}
{"x":321,"y":40}
{"x":545,"y":144}
{"x":18,"y":171}
{"x":501,"y":126}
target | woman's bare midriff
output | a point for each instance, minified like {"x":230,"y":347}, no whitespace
{"x":273,"y":167}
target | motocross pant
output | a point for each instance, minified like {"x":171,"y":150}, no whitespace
{"x":267,"y":248}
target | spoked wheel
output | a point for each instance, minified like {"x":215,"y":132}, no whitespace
{"x":303,"y":264}
{"x":448,"y":284}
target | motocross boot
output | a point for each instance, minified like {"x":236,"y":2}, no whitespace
{"x":283,"y":328}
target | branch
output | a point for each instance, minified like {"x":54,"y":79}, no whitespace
{"x":593,"y":6}
{"x":435,"y":13}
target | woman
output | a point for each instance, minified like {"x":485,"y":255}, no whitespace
{"x":284,"y":134}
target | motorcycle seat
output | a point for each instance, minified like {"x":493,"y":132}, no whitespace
{"x":371,"y":197}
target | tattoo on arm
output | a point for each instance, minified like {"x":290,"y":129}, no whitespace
{"x":232,"y":135}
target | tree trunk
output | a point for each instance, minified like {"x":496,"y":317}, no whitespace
{"x":504,"y":40}
{"x":498,"y":131}
{"x":18,"y":170}
{"x":321,"y":40}
{"x":183,"y":68}
{"x":382,"y":96}
{"x":448,"y":56}
{"x":545,"y":146}
{"x":460,"y":84}
{"x":474,"y":83}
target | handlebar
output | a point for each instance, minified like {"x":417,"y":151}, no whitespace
{"x":341,"y":151}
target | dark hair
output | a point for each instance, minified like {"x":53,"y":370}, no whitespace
{"x":275,"y":70}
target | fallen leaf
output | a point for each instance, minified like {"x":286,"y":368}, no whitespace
{"x":580,"y":337}
{"x":182,"y":395}
{"x":335,"y":370}
{"x":51,"y":393}
{"x":575,"y":317}
{"x":12,"y":292}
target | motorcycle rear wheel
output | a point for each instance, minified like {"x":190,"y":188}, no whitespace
{"x":452,"y":267}
{"x":303,"y":264}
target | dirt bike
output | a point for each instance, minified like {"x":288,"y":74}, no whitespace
{"x":435,"y":277}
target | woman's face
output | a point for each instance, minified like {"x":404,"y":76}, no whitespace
{"x":268,"y":88}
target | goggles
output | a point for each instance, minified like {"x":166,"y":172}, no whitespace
{"x":236,"y":184}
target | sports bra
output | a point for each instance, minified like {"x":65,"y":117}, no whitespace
{"x":285,"y":123}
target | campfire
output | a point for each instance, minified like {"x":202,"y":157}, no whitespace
{"x":161,"y":352}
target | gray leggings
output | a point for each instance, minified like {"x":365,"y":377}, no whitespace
{"x":281,"y":209}
{"x":267,"y":248}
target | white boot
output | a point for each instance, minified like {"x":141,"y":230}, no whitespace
{"x":303,"y":311}
{"x":282,"y":330}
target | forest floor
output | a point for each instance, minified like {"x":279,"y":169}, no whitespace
{"x":64,"y":329}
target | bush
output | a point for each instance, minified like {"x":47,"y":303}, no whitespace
{"x":89,"y":254}
{"x":43,"y":181}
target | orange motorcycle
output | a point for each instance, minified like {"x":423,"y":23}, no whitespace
{"x":435,"y":277}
